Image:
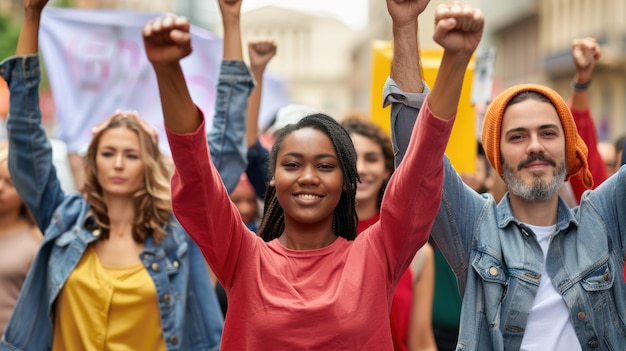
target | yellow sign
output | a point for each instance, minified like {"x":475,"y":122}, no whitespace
{"x":462,"y":146}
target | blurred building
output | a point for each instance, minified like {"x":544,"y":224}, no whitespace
{"x":314,"y":55}
{"x":533,"y":44}
{"x":560,"y":21}
{"x":202,"y":13}
{"x":143,"y":5}
{"x":328,"y":65}
{"x":532,"y":39}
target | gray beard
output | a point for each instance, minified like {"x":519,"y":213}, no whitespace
{"x":538,"y":190}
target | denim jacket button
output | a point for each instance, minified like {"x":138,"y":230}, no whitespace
{"x":176,"y":264}
{"x":594,"y":344}
{"x":606,"y":276}
{"x":156,"y":267}
{"x":493,"y":271}
{"x":166,"y":298}
{"x":174,"y":339}
{"x":581,"y":316}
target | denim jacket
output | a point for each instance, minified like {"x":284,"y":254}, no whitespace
{"x":190,"y":315}
{"x":227,"y":137}
{"x":498,"y":260}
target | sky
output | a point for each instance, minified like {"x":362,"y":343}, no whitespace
{"x":352,"y":12}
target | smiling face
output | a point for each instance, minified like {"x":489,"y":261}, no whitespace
{"x":532,"y":147}
{"x":308,"y":177}
{"x":372,"y":169}
{"x":119,"y":163}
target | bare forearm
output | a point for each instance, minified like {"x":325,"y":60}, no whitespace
{"x":254,"y":107}
{"x":580,"y":99}
{"x":179,"y":111}
{"x":405,"y":66}
{"x":232,"y":39}
{"x":28,"y":41}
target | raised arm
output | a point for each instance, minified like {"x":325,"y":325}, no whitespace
{"x":585,"y":53}
{"x":458,"y":30}
{"x":28,"y":41}
{"x":404,"y":15}
{"x":416,"y":186}
{"x":228,"y":132}
{"x":261,"y":52}
{"x":404,"y":89}
{"x":199,"y":198}
{"x":167,"y":41}
{"x":30,"y":152}
{"x":231,"y":14}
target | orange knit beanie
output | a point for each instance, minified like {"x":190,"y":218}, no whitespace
{"x":575,"y":148}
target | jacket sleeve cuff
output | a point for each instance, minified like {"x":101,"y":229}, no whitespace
{"x":392,"y":93}
{"x":235,"y":71}
{"x":20,"y":67}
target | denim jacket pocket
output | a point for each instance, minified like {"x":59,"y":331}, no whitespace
{"x":489,"y":268}
{"x":601,"y":278}
{"x":598,"y":285}
{"x":494,"y":281}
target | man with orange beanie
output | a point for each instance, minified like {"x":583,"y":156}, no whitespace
{"x":534,"y":274}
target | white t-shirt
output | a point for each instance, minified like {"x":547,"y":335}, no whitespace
{"x":549,"y":326}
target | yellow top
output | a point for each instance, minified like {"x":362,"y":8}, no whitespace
{"x":107,"y":308}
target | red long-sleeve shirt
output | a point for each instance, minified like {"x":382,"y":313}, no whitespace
{"x":334,"y":298}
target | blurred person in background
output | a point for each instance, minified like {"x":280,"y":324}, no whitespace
{"x":411,"y":306}
{"x":479,"y":180}
{"x":585,"y":53}
{"x":19,"y":240}
{"x":234,"y":136}
{"x":609,"y":156}
{"x":260,"y":51}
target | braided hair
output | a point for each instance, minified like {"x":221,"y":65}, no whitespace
{"x":345,"y":218}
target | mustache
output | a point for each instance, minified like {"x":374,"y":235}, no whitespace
{"x":536,"y":157}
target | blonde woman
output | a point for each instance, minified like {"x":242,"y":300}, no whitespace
{"x":115,"y":269}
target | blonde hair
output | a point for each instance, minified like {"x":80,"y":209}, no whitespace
{"x":152,"y":203}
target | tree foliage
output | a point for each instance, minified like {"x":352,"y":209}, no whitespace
{"x":9,"y":32}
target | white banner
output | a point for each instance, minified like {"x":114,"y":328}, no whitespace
{"x":96,"y":64}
